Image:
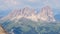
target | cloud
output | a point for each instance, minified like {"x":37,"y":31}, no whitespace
{"x":32,"y":0}
{"x":12,"y":2}
{"x":5,"y":4}
{"x":52,"y":3}
{"x":57,"y":3}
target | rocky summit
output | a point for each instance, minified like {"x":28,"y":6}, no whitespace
{"x":46,"y":14}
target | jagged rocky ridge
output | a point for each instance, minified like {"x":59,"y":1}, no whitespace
{"x":46,"y":14}
{"x":27,"y":17}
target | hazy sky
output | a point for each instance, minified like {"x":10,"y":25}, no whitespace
{"x":12,"y":4}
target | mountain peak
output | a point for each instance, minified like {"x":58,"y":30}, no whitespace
{"x":46,"y":14}
{"x":26,"y":8}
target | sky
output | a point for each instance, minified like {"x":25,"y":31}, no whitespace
{"x":7,"y":5}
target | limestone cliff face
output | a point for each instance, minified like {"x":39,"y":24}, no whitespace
{"x":46,"y":14}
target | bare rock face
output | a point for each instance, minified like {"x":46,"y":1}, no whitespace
{"x":2,"y":31}
{"x":46,"y":14}
{"x":25,"y":12}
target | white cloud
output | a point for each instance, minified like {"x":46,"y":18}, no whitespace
{"x":52,"y":3}
{"x":12,"y":2}
{"x":32,"y":0}
{"x":31,"y":3}
{"x":57,"y":3}
{"x":9,"y":4}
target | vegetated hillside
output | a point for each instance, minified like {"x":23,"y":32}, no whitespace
{"x":28,"y":26}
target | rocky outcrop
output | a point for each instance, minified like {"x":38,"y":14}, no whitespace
{"x":46,"y":14}
{"x":2,"y":31}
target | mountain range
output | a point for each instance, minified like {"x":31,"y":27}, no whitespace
{"x":27,"y":18}
{"x":45,"y":14}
